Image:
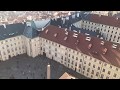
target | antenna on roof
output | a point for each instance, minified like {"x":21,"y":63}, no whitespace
{"x":88,"y":38}
{"x":114,"y":46}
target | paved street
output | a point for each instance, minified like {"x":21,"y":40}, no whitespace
{"x":24,"y":67}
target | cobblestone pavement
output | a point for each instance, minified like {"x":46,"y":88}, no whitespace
{"x":24,"y":67}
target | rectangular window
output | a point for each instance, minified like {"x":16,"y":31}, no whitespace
{"x":4,"y":53}
{"x":110,"y":66}
{"x":62,"y":57}
{"x":88,"y":69}
{"x":103,"y":70}
{"x":73,"y":57}
{"x":92,"y":72}
{"x":84,"y":68}
{"x":84,"y":62}
{"x":97,"y":74}
{"x":79,"y":66}
{"x":7,"y":45}
{"x":75,"y":63}
{"x":56,"y":54}
{"x":69,"y":50}
{"x":80,"y":60}
{"x":65,"y":53}
{"x":77,"y":53}
{"x":95,"y":60}
{"x":73,"y":51}
{"x":90,"y":58}
{"x":91,"y":76}
{"x":8,"y":51}
{"x":114,"y":75}
{"x":107,"y":77}
{"x":98,"y":68}
{"x":116,"y":69}
{"x":69,"y":55}
{"x":43,"y":49}
{"x":105,"y":64}
{"x":55,"y":49}
{"x":83,"y":72}
{"x":89,"y":64}
{"x":109,"y":72}
{"x":16,"y":48}
{"x":102,"y":75}
{"x":68,"y":60}
{"x":72,"y":62}
{"x":93,"y":66}
{"x":76,"y":58}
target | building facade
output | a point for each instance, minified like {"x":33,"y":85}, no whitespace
{"x":75,"y":58}
{"x":92,"y":57}
{"x":108,"y":26}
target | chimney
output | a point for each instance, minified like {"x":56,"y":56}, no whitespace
{"x":48,"y":71}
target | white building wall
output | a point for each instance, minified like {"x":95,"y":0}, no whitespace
{"x":35,"y":47}
{"x":27,"y":45}
{"x":79,"y":62}
{"x":110,"y":72}
{"x":109,"y":32}
{"x":12,"y":47}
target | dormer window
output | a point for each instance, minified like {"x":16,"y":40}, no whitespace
{"x":75,"y":35}
{"x":88,"y":38}
{"x":55,"y":35}
{"x":46,"y":31}
{"x":65,"y":38}
{"x":105,"y":50}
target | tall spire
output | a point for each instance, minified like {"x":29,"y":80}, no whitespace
{"x":48,"y":71}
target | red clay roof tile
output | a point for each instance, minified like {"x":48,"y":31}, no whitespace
{"x":107,"y":20}
{"x":80,"y":43}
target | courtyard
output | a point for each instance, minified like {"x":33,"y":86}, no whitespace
{"x":25,"y":67}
